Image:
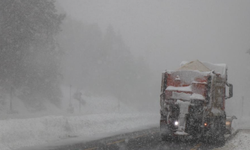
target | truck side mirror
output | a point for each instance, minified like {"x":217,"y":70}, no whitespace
{"x":163,"y":87}
{"x":230,"y":90}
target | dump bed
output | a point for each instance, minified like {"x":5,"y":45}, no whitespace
{"x":196,"y":81}
{"x":186,"y":85}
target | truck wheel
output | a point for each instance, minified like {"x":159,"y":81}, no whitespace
{"x":165,"y":133}
{"x":165,"y":137}
{"x":221,"y":137}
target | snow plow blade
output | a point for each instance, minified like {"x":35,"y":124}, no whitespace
{"x":180,"y":133}
{"x":229,"y":121}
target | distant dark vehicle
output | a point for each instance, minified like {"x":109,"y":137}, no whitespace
{"x":193,"y":102}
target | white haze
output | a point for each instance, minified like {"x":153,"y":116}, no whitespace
{"x":165,"y":33}
{"x":151,"y":36}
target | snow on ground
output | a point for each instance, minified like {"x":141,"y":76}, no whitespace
{"x":244,"y":123}
{"x":242,"y":139}
{"x":98,"y":117}
{"x":239,"y":142}
{"x":17,"y":133}
{"x":93,"y":105}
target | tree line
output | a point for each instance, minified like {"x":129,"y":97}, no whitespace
{"x":99,"y":62}
{"x":29,"y":57}
{"x":41,"y":49}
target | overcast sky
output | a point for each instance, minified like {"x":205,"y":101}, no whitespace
{"x":166,"y":32}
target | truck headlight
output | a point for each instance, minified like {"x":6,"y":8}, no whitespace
{"x":228,"y":123}
{"x":176,"y":123}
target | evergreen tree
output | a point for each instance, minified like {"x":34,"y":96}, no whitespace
{"x":102,"y":64}
{"x":29,"y":57}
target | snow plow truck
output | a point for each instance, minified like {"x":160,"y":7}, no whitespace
{"x":192,"y":102}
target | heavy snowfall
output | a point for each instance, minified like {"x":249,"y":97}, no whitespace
{"x":86,"y":72}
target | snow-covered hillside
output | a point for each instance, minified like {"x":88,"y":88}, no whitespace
{"x":98,"y":117}
{"x":18,"y":133}
{"x":93,"y":105}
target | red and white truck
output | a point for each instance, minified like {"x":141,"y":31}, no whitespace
{"x":193,"y":102}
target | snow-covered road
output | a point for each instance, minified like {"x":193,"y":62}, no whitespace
{"x":99,"y":118}
{"x":239,"y":142}
{"x":242,"y":139}
{"x":65,"y":129}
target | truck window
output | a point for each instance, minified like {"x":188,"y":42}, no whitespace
{"x":219,"y":95}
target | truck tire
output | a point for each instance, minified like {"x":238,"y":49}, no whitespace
{"x":221,"y":139}
{"x":222,"y":130}
{"x":165,"y":133}
{"x":218,"y":132}
{"x":165,"y":137}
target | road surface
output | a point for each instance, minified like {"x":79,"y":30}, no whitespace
{"x":140,"y":140}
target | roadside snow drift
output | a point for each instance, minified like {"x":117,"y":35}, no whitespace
{"x":19,"y":133}
{"x":239,"y":142}
{"x":96,"y":118}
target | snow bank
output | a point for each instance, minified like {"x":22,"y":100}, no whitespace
{"x":243,"y":123}
{"x":18,"y":133}
{"x":98,"y":117}
{"x":239,"y":142}
{"x":242,"y":139}
{"x":93,"y":105}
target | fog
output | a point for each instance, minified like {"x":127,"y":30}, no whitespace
{"x":92,"y":68}
{"x":117,"y":49}
{"x":164,"y":33}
